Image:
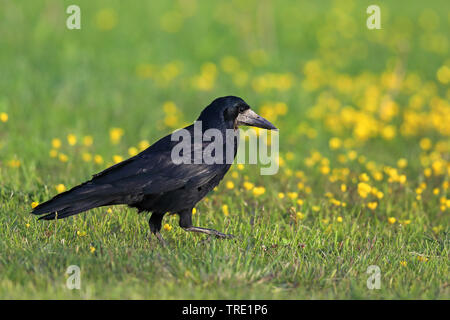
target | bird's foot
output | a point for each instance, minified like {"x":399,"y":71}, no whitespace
{"x":210,"y":232}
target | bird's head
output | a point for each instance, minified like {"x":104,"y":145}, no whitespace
{"x":232,"y":112}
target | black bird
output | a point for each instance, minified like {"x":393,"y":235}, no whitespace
{"x":151,"y":181}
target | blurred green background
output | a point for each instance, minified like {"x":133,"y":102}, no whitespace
{"x":129,"y":58}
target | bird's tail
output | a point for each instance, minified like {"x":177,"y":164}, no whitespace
{"x":79,"y":199}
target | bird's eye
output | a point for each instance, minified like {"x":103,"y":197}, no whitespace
{"x":242,"y":109}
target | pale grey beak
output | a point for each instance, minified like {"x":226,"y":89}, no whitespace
{"x":251,"y":118}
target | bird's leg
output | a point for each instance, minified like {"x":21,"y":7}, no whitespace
{"x":186,"y":224}
{"x":211,"y":232}
{"x":155,"y":226}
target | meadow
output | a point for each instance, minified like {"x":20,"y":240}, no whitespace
{"x":364,"y":118}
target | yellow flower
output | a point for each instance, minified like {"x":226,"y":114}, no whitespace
{"x":290,"y":156}
{"x":342,"y":158}
{"x":257,"y":191}
{"x":53,"y":153}
{"x":225,"y":210}
{"x":240,"y":166}
{"x":14,"y":163}
{"x":171,"y":121}
{"x":194,"y":210}
{"x":87,"y":157}
{"x":438,"y":167}
{"x":248,"y":185}
{"x":34,"y":204}
{"x":144,"y":144}
{"x":229,"y":64}
{"x":281,"y":195}
{"x":364,"y":177}
{"x":402,"y":163}
{"x":388,"y":132}
{"x":206,"y":80}
{"x":422,"y":258}
{"x":167,"y":227}
{"x":425,"y":144}
{"x":300,"y":202}
{"x":106,"y":19}
{"x":335,"y":202}
{"x":300,"y":215}
{"x":60,"y":188}
{"x":88,"y":141}
{"x":352,"y":155}
{"x":91,"y":249}
{"x":437,"y":229}
{"x":71,"y":139}
{"x":109,"y":211}
{"x":372,"y":205}
{"x":169,"y":107}
{"x":315,"y":208}
{"x":98,"y":159}
{"x":27,"y":225}
{"x":56,"y":143}
{"x":392,"y":220}
{"x":3,"y":117}
{"x":443,"y":74}
{"x":299,"y":174}
{"x":63,"y":158}
{"x":325,"y":170}
{"x":335,"y":143}
{"x":339,"y":219}
{"x":377,"y":175}
{"x":115,"y":134}
{"x":229,"y":185}
{"x":403,"y":263}
{"x":343,"y":187}
{"x":288,"y":172}
{"x":117,"y":159}
{"x":133,"y":151}
{"x":81,"y":233}
{"x":187,"y":274}
{"x":292,"y":195}
{"x":364,"y":189}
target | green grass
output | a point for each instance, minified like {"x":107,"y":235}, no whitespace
{"x":55,"y":82}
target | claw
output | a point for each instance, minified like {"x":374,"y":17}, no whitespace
{"x":211,"y":232}
{"x":223,"y":235}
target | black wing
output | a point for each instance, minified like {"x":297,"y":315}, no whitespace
{"x":150,"y":172}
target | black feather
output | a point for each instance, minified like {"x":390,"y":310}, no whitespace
{"x":151,"y":181}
